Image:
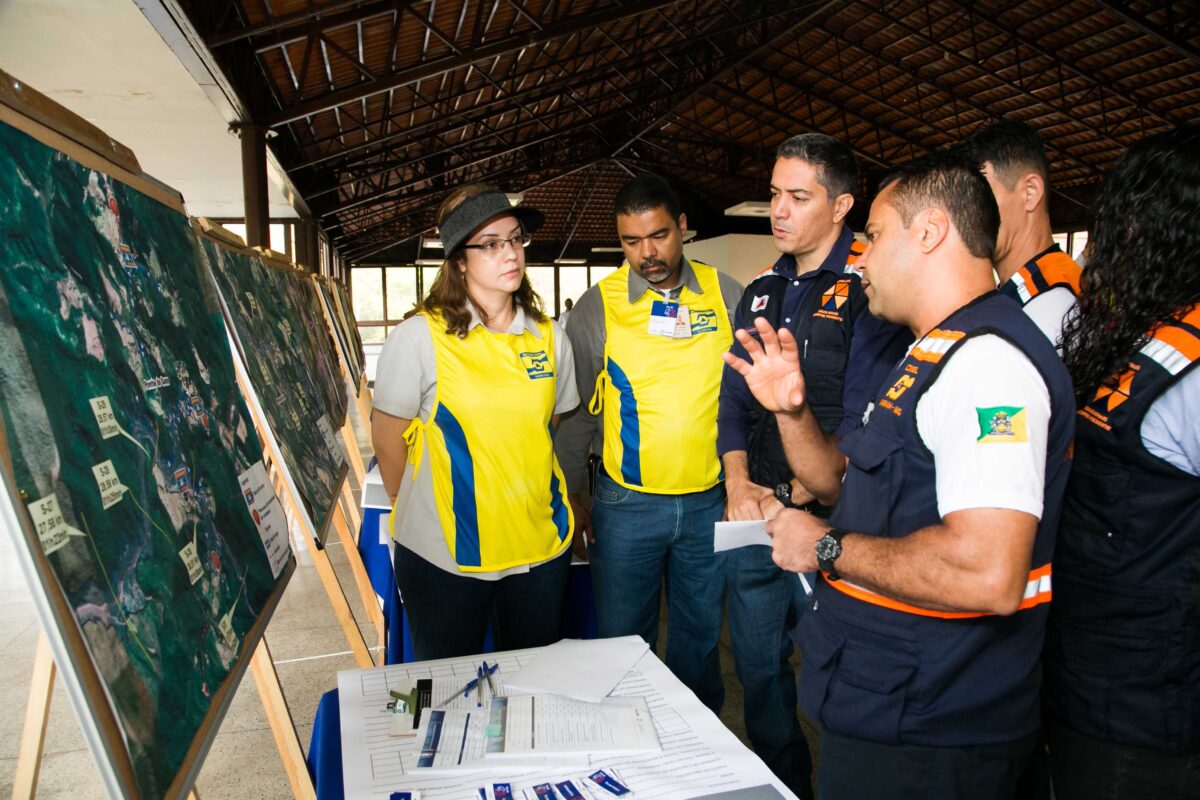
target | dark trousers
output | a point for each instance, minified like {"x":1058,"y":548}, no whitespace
{"x":448,"y":614}
{"x":854,"y":769}
{"x":1090,"y":769}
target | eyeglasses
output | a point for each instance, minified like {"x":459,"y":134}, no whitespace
{"x":494,"y":247}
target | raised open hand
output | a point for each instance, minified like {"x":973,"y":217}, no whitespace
{"x":773,"y":372}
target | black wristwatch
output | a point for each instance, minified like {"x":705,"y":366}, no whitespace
{"x":829,"y":547}
{"x":783,"y":493}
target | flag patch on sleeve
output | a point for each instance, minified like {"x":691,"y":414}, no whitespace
{"x":1002,"y":424}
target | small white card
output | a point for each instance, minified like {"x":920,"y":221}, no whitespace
{"x":267,"y":514}
{"x":732,"y":535}
{"x":52,"y":528}
{"x":102,"y":408}
{"x":331,"y":441}
{"x":111,"y":490}
{"x":191,"y":561}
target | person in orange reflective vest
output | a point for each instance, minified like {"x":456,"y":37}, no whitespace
{"x":1030,"y":267}
{"x":1122,"y":658}
{"x":921,"y":652}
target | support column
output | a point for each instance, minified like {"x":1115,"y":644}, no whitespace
{"x":254,"y":183}
{"x":305,"y":254}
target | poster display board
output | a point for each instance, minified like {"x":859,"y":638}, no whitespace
{"x":133,"y":483}
{"x":266,"y":308}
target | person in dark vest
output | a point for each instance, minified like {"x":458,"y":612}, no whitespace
{"x":1030,"y":267}
{"x":921,"y":654}
{"x":813,"y":290}
{"x":1122,"y":655}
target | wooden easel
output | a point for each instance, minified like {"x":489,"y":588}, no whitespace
{"x":266,"y":679}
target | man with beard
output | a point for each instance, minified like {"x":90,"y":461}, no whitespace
{"x":648,"y":341}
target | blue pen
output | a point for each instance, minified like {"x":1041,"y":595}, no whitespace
{"x":487,"y":673}
{"x":479,"y":685}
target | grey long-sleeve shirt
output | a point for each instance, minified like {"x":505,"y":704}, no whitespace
{"x":581,"y":433}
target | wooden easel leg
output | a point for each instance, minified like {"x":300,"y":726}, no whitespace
{"x":353,"y":515}
{"x":365,"y":590}
{"x":37,"y":714}
{"x":351,"y":442}
{"x":282,"y":725}
{"x":341,"y":609}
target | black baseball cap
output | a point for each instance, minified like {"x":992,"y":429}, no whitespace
{"x":474,"y":213}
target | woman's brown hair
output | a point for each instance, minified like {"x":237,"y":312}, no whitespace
{"x":448,"y":296}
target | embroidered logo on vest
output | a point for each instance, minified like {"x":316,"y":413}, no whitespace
{"x":759,"y":302}
{"x":537,"y":365}
{"x":704,"y":320}
{"x":833,"y":299}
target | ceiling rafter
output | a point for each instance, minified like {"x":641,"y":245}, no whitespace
{"x":1161,"y":35}
{"x":445,"y":64}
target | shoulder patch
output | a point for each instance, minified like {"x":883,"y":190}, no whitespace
{"x":1002,"y":424}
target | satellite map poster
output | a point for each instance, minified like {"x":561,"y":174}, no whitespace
{"x":134,"y":485}
{"x":329,"y":374}
{"x":346,"y":310}
{"x":338,"y":326}
{"x":263,"y":307}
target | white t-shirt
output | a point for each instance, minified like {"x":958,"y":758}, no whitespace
{"x":1049,"y":312}
{"x":405,"y":386}
{"x":975,"y":469}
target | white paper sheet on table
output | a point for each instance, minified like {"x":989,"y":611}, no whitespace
{"x":586,"y":669}
{"x":699,"y":756}
{"x":732,"y":535}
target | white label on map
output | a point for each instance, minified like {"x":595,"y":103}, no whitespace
{"x":327,"y":434}
{"x":109,"y":427}
{"x":250,"y":299}
{"x":286,"y":327}
{"x":192,"y":562}
{"x":52,"y":529}
{"x":267,"y":514}
{"x":161,"y":382}
{"x":111,"y":490}
{"x":225,"y":626}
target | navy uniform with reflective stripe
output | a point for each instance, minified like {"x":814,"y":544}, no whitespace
{"x":1123,"y":646}
{"x":887,"y":672}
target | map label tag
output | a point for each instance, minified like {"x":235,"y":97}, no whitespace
{"x":191,"y":561}
{"x":52,"y":528}
{"x":105,"y":417}
{"x":327,"y":434}
{"x":225,"y":626}
{"x":268,"y":516}
{"x":286,"y":327}
{"x":253,"y":302}
{"x":111,"y":490}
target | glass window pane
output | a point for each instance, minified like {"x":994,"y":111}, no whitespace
{"x":279,"y":242}
{"x":401,"y":291}
{"x":1061,"y":239}
{"x":235,"y":227}
{"x":600,"y":273}
{"x":372,"y":334}
{"x":367,"y":294}
{"x":1078,"y":243}
{"x":572,"y":283}
{"x":427,"y":276}
{"x":542,"y":279}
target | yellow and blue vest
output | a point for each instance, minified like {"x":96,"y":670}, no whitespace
{"x":497,"y":485}
{"x":658,"y":395}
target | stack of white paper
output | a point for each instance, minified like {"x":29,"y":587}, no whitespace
{"x":583,"y":669}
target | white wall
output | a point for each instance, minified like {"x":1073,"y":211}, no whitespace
{"x":740,"y":255}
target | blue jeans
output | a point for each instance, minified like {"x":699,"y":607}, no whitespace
{"x":640,"y":538}
{"x":765,"y":603}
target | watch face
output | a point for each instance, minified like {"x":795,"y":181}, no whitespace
{"x":783,"y":492}
{"x":828,"y":548}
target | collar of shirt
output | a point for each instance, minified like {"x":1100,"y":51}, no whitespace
{"x":521,"y":321}
{"x":638,"y":285}
{"x":835,"y":262}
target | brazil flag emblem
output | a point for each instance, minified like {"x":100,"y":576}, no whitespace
{"x":1002,"y":424}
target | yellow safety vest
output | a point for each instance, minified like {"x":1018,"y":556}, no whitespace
{"x":497,"y":485}
{"x":659,"y":394}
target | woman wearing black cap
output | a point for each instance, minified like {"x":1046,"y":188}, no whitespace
{"x":467,"y":394}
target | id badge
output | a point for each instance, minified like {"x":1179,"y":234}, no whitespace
{"x":683,"y":324}
{"x":663,"y":316}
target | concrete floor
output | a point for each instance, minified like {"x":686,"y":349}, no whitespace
{"x":308,"y":648}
